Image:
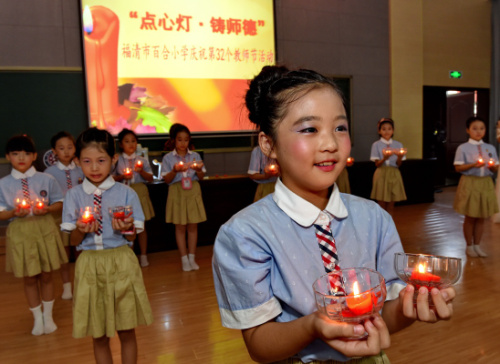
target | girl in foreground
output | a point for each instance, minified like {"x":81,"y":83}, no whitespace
{"x":266,"y":256}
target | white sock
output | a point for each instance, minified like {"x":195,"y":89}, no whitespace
{"x":186,"y":267}
{"x":67,"y":295}
{"x":193,"y":263}
{"x":48,"y":323}
{"x":471,"y":252}
{"x":38,"y":326}
{"x":143,"y":259}
{"x":480,"y":251}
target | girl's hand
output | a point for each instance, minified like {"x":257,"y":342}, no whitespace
{"x":19,"y":212}
{"x":181,"y":167}
{"x":479,"y":163}
{"x":37,"y":211}
{"x":128,"y":175}
{"x":334,"y":334}
{"x":122,"y":224}
{"x":196,"y":165}
{"x":138,"y":168}
{"x":87,"y":227}
{"x":442,"y":299}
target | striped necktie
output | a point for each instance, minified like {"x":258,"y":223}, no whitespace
{"x":97,"y":205}
{"x":480,"y":151}
{"x":25,"y":187}
{"x":69,"y":185}
{"x":327,"y":247}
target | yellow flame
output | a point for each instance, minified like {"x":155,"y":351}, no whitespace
{"x":355,"y":288}
{"x":88,"y":24}
{"x":421,"y":268}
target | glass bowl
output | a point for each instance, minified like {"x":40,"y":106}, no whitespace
{"x":421,"y":270}
{"x":350,"y":295}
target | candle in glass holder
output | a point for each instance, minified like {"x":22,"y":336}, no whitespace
{"x":480,"y":160}
{"x":272,"y":167}
{"x":127,"y":172}
{"x":421,"y":275}
{"x":87,"y":216}
{"x":194,"y":164}
{"x":40,"y":205}
{"x":350,"y":161}
{"x":491,"y":162}
{"x":138,"y":164}
{"x":387,"y":151}
{"x":22,"y":204}
{"x":359,"y":304}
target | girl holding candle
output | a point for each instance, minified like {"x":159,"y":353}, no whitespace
{"x":266,"y":256}
{"x":67,"y":175}
{"x":388,"y":155}
{"x":118,"y":301}
{"x":182,"y":169}
{"x":34,"y":246}
{"x":140,"y":172}
{"x":264,"y":171}
{"x":475,"y":197}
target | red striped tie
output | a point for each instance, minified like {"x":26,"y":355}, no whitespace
{"x":328,"y":248}
{"x":25,"y":187}
{"x":69,"y":185}
{"x":97,"y":205}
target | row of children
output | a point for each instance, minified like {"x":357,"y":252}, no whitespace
{"x":109,"y":293}
{"x":476,"y":160}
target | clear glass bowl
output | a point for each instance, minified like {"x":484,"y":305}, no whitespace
{"x":337,"y":298}
{"x":421,"y":270}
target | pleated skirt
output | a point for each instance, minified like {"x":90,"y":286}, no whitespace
{"x":475,"y":197}
{"x":388,"y":185}
{"x":109,"y":293}
{"x":185,"y":206}
{"x":33,"y":246}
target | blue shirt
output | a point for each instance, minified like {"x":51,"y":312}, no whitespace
{"x":468,"y":153}
{"x":58,"y":171}
{"x":41,"y":186}
{"x":259,"y":161}
{"x":129,"y":161}
{"x":112,"y":194}
{"x":266,"y":258}
{"x":172,"y":158}
{"x":377,"y":147}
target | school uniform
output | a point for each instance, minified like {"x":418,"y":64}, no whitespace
{"x":475,"y":196}
{"x":67,"y":177}
{"x":343,"y":181}
{"x":137,"y":181}
{"x":387,"y":180}
{"x":266,"y":258}
{"x":109,"y":292}
{"x":258,"y":163}
{"x":33,"y":242}
{"x":184,"y":206}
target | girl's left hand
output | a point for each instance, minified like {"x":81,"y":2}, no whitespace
{"x":122,"y":224}
{"x":40,"y":211}
{"x":442,"y":299}
{"x":196,"y":165}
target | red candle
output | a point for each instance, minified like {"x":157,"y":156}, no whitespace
{"x":138,"y":164}
{"x":350,"y":161}
{"x":40,"y":205}
{"x":359,"y":304}
{"x":22,"y":204}
{"x":272,"y":167}
{"x":87,"y":217}
{"x":127,"y":172}
{"x":101,"y":28}
{"x":422,"y":276}
{"x":120,"y":215}
{"x":491,"y":162}
{"x":480,"y":160}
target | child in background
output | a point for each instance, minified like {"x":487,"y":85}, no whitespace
{"x":264,"y":171}
{"x":67,"y":175}
{"x":266,"y":256}
{"x":181,"y":169}
{"x":109,"y":290}
{"x":139,"y":172}
{"x":34,"y":246}
{"x":343,"y":179}
{"x":388,"y":155}
{"x":475,"y":197}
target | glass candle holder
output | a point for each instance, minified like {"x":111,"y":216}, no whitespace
{"x":121,"y":213}
{"x":22,"y":203}
{"x":387,"y":151}
{"x":350,"y":161}
{"x":350,"y":295}
{"x":88,"y":214}
{"x":421,"y":270}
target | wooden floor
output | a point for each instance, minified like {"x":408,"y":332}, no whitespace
{"x":187,"y":327}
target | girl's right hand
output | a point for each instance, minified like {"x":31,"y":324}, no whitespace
{"x":87,"y":227}
{"x":335,"y":333}
{"x":181,"y":167}
{"x":19,"y":212}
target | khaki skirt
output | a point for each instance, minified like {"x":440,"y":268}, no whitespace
{"x":376,"y":359}
{"x":64,"y":235}
{"x":185,"y":206}
{"x":343,"y":182}
{"x":143,"y":193}
{"x":264,"y":189}
{"x":475,"y":197}
{"x":33,"y":246}
{"x":388,"y":185}
{"x":109,"y":293}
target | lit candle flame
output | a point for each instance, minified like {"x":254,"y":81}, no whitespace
{"x":355,"y":288}
{"x":421,"y":268}
{"x":88,"y":23}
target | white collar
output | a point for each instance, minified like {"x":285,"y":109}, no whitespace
{"x":388,"y":142}
{"x":62,"y":167}
{"x":126,"y":156}
{"x":303,"y":212}
{"x":19,"y":175}
{"x":175,"y":152}
{"x":90,"y":188}
{"x":475,"y":142}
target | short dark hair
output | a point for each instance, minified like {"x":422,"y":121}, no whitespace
{"x":385,"y":121}
{"x":99,"y":138}
{"x":19,"y":143}
{"x":60,"y":135}
{"x":472,"y":119}
{"x":173,"y":131}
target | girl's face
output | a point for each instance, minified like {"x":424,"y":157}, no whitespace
{"x":182,"y":142}
{"x":65,"y":150}
{"x":129,"y":144}
{"x":476,"y":130}
{"x":96,"y":164}
{"x":312,"y":144}
{"x":386,"y":131}
{"x":21,"y":160}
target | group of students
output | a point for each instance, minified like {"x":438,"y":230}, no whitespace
{"x":265,"y":258}
{"x":76,"y":202}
